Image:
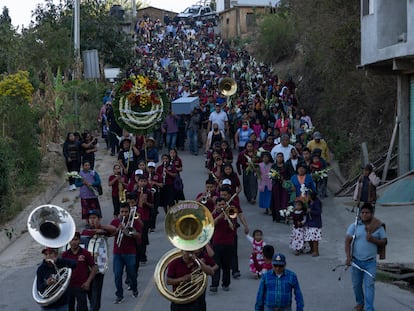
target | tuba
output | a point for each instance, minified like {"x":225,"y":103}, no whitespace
{"x":227,"y":86}
{"x":189,"y":226}
{"x":51,"y":226}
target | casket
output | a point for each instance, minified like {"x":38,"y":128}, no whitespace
{"x":184,"y":105}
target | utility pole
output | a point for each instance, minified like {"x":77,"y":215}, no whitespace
{"x":77,"y":70}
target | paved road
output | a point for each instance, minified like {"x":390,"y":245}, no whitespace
{"x":320,"y":285}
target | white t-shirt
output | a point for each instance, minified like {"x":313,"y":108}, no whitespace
{"x":279,"y":148}
{"x":219,"y":118}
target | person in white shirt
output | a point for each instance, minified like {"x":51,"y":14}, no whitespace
{"x":284,"y":147}
{"x":220,"y":117}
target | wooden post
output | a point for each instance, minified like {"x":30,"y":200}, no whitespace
{"x":390,"y":148}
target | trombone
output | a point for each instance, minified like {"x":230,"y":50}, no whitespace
{"x":128,"y":229}
{"x":230,"y":212}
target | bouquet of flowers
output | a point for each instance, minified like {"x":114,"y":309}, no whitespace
{"x":252,"y":167}
{"x":75,"y":174}
{"x":260,"y":151}
{"x":319,"y":175}
{"x":274,"y":174}
{"x":286,"y":212}
{"x":140,"y":104}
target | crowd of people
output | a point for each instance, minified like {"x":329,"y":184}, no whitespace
{"x":259,"y":141}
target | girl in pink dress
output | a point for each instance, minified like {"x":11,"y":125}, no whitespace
{"x":256,"y":260}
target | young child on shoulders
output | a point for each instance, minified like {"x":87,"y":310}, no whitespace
{"x":256,"y":257}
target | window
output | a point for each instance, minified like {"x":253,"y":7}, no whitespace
{"x":367,"y":7}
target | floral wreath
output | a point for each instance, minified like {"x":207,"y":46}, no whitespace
{"x":140,"y":104}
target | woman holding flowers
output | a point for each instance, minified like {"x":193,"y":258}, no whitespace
{"x":265,"y":183}
{"x":88,"y":193}
{"x":278,"y":173}
{"x":247,"y":163}
{"x":302,"y":182}
{"x":72,"y":154}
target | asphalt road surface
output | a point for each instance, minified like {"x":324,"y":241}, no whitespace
{"x":320,"y":285}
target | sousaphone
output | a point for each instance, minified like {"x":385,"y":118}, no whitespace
{"x":189,"y":226}
{"x":227,"y":86}
{"x":51,"y":226}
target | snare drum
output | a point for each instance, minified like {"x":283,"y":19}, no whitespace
{"x":98,"y":247}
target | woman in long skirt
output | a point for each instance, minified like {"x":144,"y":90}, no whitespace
{"x":279,"y":200}
{"x":265,"y":183}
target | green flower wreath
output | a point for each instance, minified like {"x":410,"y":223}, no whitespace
{"x":140,"y":104}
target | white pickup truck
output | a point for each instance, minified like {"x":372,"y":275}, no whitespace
{"x":196,"y":13}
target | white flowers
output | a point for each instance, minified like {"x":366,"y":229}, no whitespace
{"x":274,"y":174}
{"x":303,"y":190}
{"x":73,"y":174}
{"x":319,"y":175}
{"x":260,"y":151}
{"x":286,"y":212}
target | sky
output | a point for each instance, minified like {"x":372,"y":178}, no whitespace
{"x":20,"y":10}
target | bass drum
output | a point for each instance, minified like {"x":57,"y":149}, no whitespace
{"x":98,"y":247}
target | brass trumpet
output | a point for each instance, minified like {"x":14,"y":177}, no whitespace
{"x":205,"y":198}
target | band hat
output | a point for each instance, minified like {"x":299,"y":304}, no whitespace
{"x":279,"y":260}
{"x":139,"y":172}
{"x":151,"y":164}
{"x":227,"y":182}
{"x":49,"y":249}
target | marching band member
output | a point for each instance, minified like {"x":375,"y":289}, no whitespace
{"x":118,"y":182}
{"x":125,"y":251}
{"x":217,"y":171}
{"x":82,"y":275}
{"x":145,"y":203}
{"x":225,"y":192}
{"x":209,"y":196}
{"x":223,"y":240}
{"x":180,"y":270}
{"x":229,"y":174}
{"x":128,"y":157}
{"x":155,"y":184}
{"x":96,"y":228}
{"x":45,"y":276}
{"x":167,"y":173}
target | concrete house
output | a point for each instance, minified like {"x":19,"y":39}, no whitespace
{"x":387,"y":47}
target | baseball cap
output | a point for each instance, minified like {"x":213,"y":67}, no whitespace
{"x":317,"y":135}
{"x":226,"y":182}
{"x":139,"y":172}
{"x":151,"y":164}
{"x":279,"y":259}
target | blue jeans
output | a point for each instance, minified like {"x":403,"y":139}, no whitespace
{"x":267,"y":308}
{"x":363,"y":284}
{"x":120,"y":261}
{"x":171,"y":140}
{"x":193,"y":140}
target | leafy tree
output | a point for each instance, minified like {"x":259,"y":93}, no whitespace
{"x":276,"y":38}
{"x":7,"y":41}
